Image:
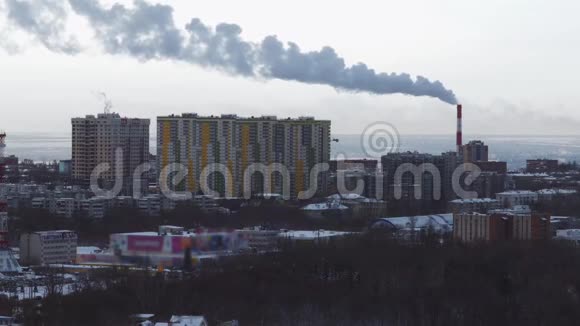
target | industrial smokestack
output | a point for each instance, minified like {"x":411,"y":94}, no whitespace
{"x":459,"y":129}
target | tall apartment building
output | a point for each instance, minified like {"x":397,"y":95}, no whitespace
{"x":475,"y":151}
{"x":95,"y":140}
{"x":426,"y":183}
{"x":235,"y":142}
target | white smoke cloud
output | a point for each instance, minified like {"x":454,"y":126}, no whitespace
{"x":148,"y":31}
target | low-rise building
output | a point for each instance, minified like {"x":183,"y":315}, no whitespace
{"x":541,"y":165}
{"x":569,"y":234}
{"x":65,"y":207}
{"x":149,"y":205}
{"x":261,"y":239}
{"x":95,"y":207}
{"x":316,"y":236}
{"x":549,"y":194}
{"x":475,"y":205}
{"x":492,"y":166}
{"x":360,"y":206}
{"x":516,"y":197}
{"x":48,"y":247}
{"x":331,"y":208}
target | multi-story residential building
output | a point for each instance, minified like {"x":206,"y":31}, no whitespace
{"x":235,"y":143}
{"x":475,"y":151}
{"x":95,"y":207}
{"x":149,"y":205}
{"x":66,"y":207}
{"x":48,"y":247}
{"x":411,"y":174}
{"x":96,"y":140}
{"x":488,"y":184}
{"x":497,"y":225}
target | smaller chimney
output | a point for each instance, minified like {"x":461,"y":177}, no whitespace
{"x":459,"y":129}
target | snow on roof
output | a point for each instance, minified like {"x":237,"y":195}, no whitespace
{"x":528,"y":174}
{"x":187,"y":321}
{"x":556,"y":191}
{"x":310,"y":235}
{"x":474,"y":200}
{"x":53,"y":232}
{"x":569,"y":233}
{"x":324,"y":206}
{"x":88,"y":250}
{"x":559,"y":217}
{"x":140,"y":233}
{"x":438,"y":222}
{"x":350,"y":196}
{"x":517,"y":209}
{"x":142,"y":316}
{"x":517,"y":192}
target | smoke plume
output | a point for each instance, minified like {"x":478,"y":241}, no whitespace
{"x":148,"y":31}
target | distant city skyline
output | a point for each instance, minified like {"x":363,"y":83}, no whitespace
{"x":512,"y":74}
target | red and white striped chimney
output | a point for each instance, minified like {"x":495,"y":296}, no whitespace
{"x":459,"y":132}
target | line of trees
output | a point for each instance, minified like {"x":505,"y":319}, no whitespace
{"x":370,"y":280}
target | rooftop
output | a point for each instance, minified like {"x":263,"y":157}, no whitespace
{"x":439,"y":222}
{"x":310,"y":235}
{"x":333,"y":205}
{"x":517,"y":192}
{"x":474,"y":200}
{"x":236,"y":117}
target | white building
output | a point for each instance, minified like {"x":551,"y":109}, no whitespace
{"x":48,"y":247}
{"x":516,"y":197}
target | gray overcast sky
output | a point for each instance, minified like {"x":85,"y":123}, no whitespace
{"x":513,"y":64}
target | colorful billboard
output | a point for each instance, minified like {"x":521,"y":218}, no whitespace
{"x":145,"y":243}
